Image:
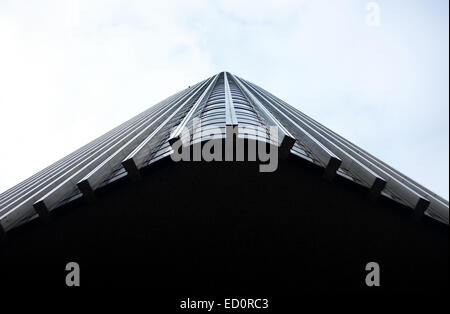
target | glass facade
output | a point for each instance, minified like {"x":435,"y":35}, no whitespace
{"x":217,"y":102}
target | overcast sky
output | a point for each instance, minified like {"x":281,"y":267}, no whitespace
{"x":72,"y":70}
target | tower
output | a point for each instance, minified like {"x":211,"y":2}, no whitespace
{"x":326,"y":184}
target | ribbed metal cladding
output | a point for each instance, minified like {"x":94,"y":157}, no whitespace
{"x":221,"y":101}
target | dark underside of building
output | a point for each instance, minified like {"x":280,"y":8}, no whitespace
{"x":225,"y":227}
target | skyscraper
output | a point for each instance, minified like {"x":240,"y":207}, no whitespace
{"x":229,"y":179}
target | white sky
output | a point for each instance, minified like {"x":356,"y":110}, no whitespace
{"x":72,"y":70}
